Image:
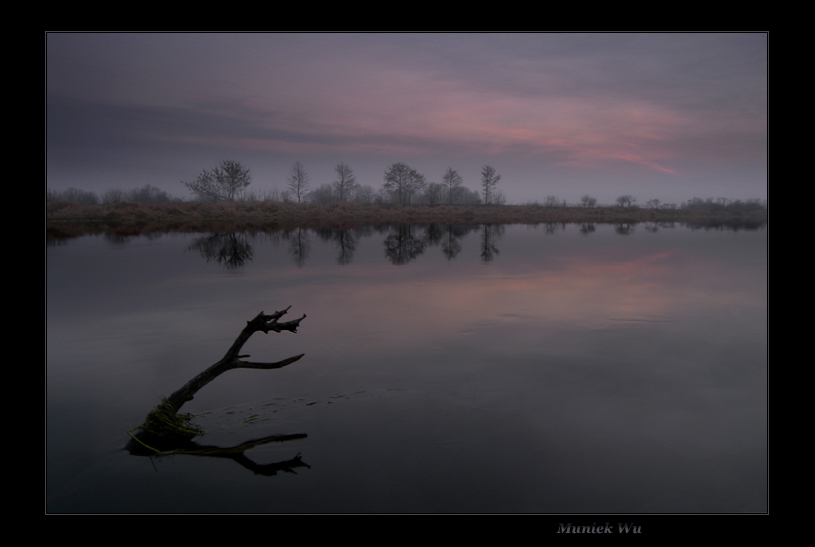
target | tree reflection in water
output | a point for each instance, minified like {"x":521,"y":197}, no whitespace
{"x":231,"y":250}
{"x":403,"y":243}
{"x":489,"y":234}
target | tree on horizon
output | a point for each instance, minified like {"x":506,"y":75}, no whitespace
{"x":489,"y":184}
{"x":298,"y":181}
{"x":225,"y":182}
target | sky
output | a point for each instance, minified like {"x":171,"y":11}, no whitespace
{"x":667,"y":116}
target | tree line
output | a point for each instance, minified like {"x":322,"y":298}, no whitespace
{"x":694,"y":204}
{"x":402,"y":185}
{"x":146,"y":194}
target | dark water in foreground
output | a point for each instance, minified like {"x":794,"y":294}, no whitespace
{"x":489,"y":369}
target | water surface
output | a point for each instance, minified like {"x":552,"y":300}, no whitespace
{"x":552,"y":369}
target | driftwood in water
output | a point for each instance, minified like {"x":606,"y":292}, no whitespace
{"x":232,"y":359}
{"x":165,"y":428}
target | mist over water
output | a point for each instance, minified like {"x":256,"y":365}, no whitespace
{"x":503,"y":368}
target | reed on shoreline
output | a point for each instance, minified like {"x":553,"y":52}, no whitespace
{"x":270,"y":215}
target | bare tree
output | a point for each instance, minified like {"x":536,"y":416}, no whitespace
{"x":588,"y":201}
{"x":396,"y":180}
{"x":452,"y":182}
{"x":298,"y":181}
{"x":346,"y":182}
{"x":417,"y":184}
{"x":402,"y":182}
{"x":164,"y":423}
{"x":551,"y":201}
{"x":489,"y":183}
{"x":626,"y":200}
{"x":225,"y":182}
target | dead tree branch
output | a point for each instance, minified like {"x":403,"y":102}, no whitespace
{"x":165,"y":421}
{"x":232,"y":359}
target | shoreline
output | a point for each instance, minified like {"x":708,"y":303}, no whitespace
{"x":73,"y":220}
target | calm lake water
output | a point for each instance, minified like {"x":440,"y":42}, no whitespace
{"x":559,"y":369}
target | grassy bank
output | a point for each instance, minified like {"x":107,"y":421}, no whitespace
{"x":77,"y":219}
